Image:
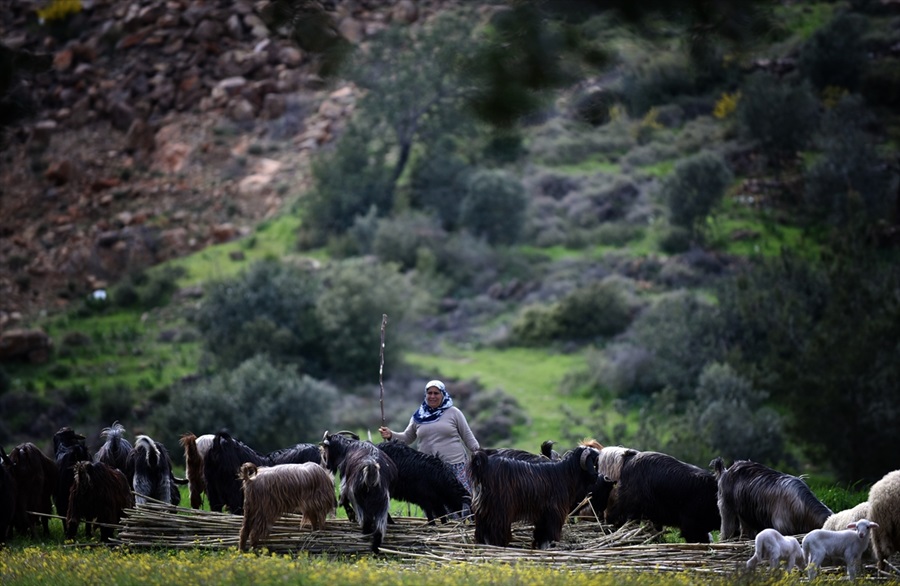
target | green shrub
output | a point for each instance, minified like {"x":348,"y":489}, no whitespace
{"x":617,"y":234}
{"x":682,"y":334}
{"x":657,"y":83}
{"x":264,"y":405}
{"x":675,"y":239}
{"x":597,"y":310}
{"x":437,"y":185}
{"x":536,"y":325}
{"x":147,"y":289}
{"x":695,"y":187}
{"x":732,"y":417}
{"x":115,"y":403}
{"x":347,"y":182}
{"x":880,"y":83}
{"x":778,"y":115}
{"x":850,"y":182}
{"x":399,"y":239}
{"x":835,"y":54}
{"x":356,"y":294}
{"x":494,"y":206}
{"x":268,"y":308}
{"x":494,"y":414}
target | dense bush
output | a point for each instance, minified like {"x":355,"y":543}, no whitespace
{"x":400,"y":239}
{"x":658,"y":83}
{"x":682,"y":334}
{"x":494,"y":206}
{"x":733,"y":419}
{"x":849,"y":183}
{"x":599,"y":309}
{"x":821,"y":337}
{"x":778,"y":115}
{"x":355,"y":295}
{"x":881,"y":83}
{"x":835,"y":54}
{"x":262,"y":404}
{"x":675,"y":239}
{"x":347,"y":182}
{"x":269,"y":308}
{"x":492,"y":415}
{"x":695,"y":187}
{"x":437,"y":184}
{"x":146,"y":289}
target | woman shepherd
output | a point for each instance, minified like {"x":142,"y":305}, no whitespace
{"x":442,"y":431}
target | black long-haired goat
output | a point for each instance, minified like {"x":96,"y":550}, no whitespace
{"x":70,"y":449}
{"x":115,"y":448}
{"x":505,"y":491}
{"x":222,"y":465}
{"x":148,"y":469}
{"x":367,"y":474}
{"x":424,"y":480}
{"x":753,"y":497}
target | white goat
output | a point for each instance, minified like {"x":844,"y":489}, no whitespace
{"x":775,"y":548}
{"x":847,"y":545}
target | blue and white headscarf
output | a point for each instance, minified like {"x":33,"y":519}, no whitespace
{"x":425,"y":414}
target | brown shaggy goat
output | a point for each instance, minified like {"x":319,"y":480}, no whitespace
{"x":99,"y":493}
{"x":272,"y":491}
{"x":36,"y":478}
{"x":195,"y":449}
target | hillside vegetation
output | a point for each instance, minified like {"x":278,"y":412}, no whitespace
{"x":688,"y":247}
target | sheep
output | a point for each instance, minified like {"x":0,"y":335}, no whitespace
{"x":773,"y":547}
{"x":70,"y":449}
{"x":839,"y":521}
{"x":7,"y":496}
{"x":115,"y":448}
{"x":367,"y":474}
{"x":36,"y":478}
{"x":753,"y":497}
{"x":424,"y":480}
{"x":505,"y":491}
{"x":848,"y":545}
{"x":222,"y":465}
{"x":270,"y":492}
{"x":195,"y":450}
{"x":148,"y":469}
{"x":99,"y":493}
{"x":884,"y":501}
{"x":666,"y":491}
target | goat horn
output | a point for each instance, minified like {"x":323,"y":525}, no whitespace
{"x":349,"y":433}
{"x":584,"y":457}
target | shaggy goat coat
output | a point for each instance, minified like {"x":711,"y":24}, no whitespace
{"x":270,"y":492}
{"x":36,"y":478}
{"x":99,"y":493}
{"x":505,"y":491}
{"x":70,"y":449}
{"x":222,"y":465}
{"x":115,"y":448}
{"x":366,"y":474}
{"x":149,"y":472}
{"x":753,"y":497}
{"x":666,"y":491}
{"x":424,"y":480}
{"x":7,"y":497}
{"x":195,"y":450}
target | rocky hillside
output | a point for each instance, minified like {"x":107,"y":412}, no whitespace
{"x":159,"y":128}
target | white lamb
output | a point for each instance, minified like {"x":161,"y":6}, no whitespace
{"x":847,"y":545}
{"x":775,"y":548}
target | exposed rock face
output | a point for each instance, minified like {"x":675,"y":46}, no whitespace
{"x":152,"y":115}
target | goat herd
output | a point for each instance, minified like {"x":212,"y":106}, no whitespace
{"x":615,"y":484}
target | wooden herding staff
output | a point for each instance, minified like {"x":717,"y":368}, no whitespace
{"x":381,"y":366}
